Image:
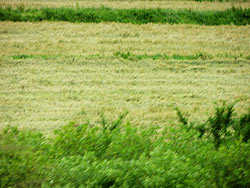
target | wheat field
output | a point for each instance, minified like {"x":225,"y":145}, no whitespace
{"x":44,"y":94}
{"x":62,"y":38}
{"x":53,"y":73}
{"x":126,"y":4}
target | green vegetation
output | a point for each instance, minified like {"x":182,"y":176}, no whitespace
{"x":24,"y":56}
{"x":133,"y":57}
{"x":128,"y":56}
{"x":149,"y":60}
{"x":235,"y":16}
{"x":214,"y":153}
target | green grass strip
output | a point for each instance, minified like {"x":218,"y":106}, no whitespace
{"x":236,"y":16}
{"x":128,"y":56}
{"x":131,"y":56}
{"x":135,"y":57}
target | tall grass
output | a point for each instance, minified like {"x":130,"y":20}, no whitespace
{"x":116,"y":154}
{"x":136,"y":16}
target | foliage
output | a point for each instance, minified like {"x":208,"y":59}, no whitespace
{"x":22,"y":163}
{"x":222,"y":126}
{"x":116,"y":154}
{"x":235,"y":16}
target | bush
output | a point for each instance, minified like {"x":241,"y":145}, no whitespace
{"x":116,"y":154}
{"x":22,"y":162}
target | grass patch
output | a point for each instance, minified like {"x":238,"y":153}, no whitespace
{"x":25,"y":56}
{"x":117,"y":154}
{"x":131,"y":56}
{"x":235,"y":16}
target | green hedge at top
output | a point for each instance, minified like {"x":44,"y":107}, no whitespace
{"x":136,"y":16}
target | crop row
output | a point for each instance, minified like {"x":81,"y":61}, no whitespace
{"x":235,"y":16}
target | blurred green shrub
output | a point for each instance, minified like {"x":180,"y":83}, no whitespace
{"x":214,"y":153}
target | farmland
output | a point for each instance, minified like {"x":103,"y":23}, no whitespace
{"x":85,"y":74}
{"x":120,"y":4}
{"x":81,"y":78}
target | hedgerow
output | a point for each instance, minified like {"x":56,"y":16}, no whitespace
{"x":236,"y":16}
{"x":214,"y":153}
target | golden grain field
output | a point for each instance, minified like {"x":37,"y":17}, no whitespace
{"x":62,"y":38}
{"x":80,"y":77}
{"x":44,"y":94}
{"x":127,"y":4}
